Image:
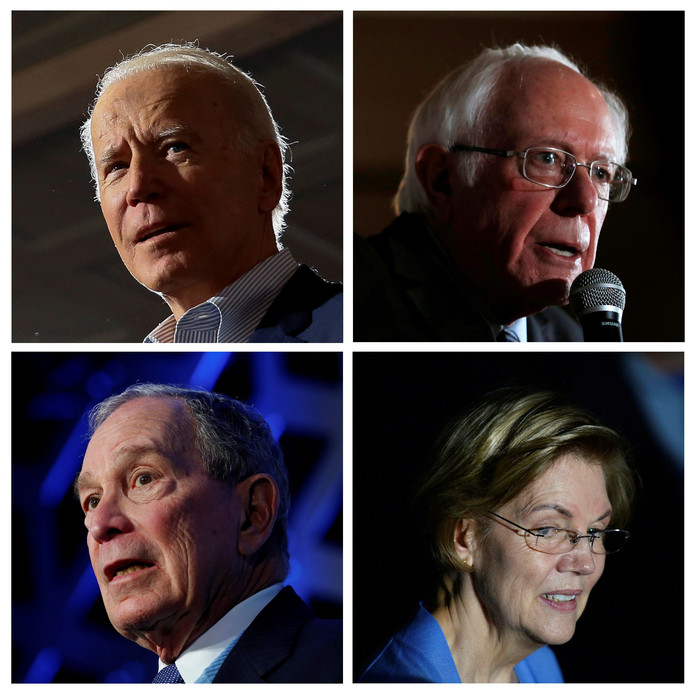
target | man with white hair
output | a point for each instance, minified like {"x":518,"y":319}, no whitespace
{"x":512,"y":161}
{"x":189,"y":169}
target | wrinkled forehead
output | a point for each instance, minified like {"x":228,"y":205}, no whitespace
{"x":544,"y":96}
{"x":163,"y":90}
{"x":159,"y":424}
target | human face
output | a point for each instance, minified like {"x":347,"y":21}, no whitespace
{"x":187,"y":209}
{"x":536,"y":598}
{"x":521,"y":244}
{"x":161,"y":531}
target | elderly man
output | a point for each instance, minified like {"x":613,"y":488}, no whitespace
{"x":188,"y":165}
{"x":185,"y":497}
{"x":512,"y":161}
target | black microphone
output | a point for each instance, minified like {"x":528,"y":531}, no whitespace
{"x":597,"y":298}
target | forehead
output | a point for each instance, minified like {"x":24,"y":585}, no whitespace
{"x":544,"y":99}
{"x":145,"y":98}
{"x":572,"y":482}
{"x":145,"y":424}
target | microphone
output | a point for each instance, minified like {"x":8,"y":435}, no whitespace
{"x":597,"y":298}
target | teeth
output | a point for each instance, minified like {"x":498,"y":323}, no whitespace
{"x":558,"y":598}
{"x":561,"y":251}
{"x":131,"y":569}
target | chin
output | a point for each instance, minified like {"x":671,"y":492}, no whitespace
{"x":135,"y":615}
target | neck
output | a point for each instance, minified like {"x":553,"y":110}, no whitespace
{"x":480,"y":650}
{"x":182,"y":298}
{"x":171,"y":637}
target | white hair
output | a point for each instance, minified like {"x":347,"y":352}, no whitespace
{"x":254,"y":113}
{"x":458,"y":109}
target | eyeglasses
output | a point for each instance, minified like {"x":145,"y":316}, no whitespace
{"x":554,"y":168}
{"x":561,"y":540}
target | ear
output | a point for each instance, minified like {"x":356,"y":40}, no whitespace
{"x":271,"y":176}
{"x":464,"y":540}
{"x":259,"y":499}
{"x":432,"y":166}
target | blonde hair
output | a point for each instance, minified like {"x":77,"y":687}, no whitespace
{"x":488,"y":456}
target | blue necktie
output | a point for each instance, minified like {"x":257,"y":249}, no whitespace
{"x":168,"y":675}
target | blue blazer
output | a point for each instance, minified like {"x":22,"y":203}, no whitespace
{"x":286,"y":643}
{"x":308,"y":309}
{"x":419,"y":653}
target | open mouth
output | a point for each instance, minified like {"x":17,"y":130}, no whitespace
{"x":561,"y":250}
{"x":557,"y":597}
{"x":126,"y":568}
{"x":159,"y":232}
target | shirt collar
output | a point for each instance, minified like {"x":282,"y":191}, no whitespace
{"x":207,"y":647}
{"x":519,"y":327}
{"x":235,"y":312}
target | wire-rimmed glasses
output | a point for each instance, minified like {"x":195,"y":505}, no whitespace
{"x":554,"y":168}
{"x":552,"y":540}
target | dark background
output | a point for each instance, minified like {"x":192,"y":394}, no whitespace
{"x":633,"y":627}
{"x":400,"y":56}
{"x":69,"y":285}
{"x":60,"y":631}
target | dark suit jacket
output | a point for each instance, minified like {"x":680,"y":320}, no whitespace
{"x":405,"y":291}
{"x":286,"y":643}
{"x":308,"y":309}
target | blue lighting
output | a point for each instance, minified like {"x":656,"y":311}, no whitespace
{"x":45,"y":666}
{"x":209,"y":369}
{"x":62,"y":473}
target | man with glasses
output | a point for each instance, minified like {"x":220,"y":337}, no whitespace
{"x":512,"y":162}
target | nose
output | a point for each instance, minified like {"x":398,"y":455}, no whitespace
{"x":580,"y":559}
{"x":579,"y":196}
{"x":107,"y":520}
{"x":144,"y":182}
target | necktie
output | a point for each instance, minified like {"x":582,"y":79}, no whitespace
{"x":168,"y":675}
{"x":507,"y":335}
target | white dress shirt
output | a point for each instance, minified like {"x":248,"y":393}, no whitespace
{"x":193,"y":662}
{"x":235,"y":312}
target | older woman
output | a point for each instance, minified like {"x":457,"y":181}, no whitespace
{"x":522,"y":502}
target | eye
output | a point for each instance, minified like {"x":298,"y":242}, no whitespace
{"x":176,"y":147}
{"x":546,"y":532}
{"x":143,"y":479}
{"x":91,"y":502}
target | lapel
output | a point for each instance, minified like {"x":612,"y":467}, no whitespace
{"x":291,"y":313}
{"x":430,"y":283}
{"x":268,"y":641}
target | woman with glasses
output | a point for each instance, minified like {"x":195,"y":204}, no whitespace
{"x":524,"y":499}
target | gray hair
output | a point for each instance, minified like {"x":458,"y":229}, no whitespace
{"x":458,"y":109}
{"x":256,"y":118}
{"x":232,"y":438}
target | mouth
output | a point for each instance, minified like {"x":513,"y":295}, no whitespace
{"x":152,"y":232}
{"x":557,"y":597}
{"x":125,"y":568}
{"x":562,"y":601}
{"x":561,"y":249}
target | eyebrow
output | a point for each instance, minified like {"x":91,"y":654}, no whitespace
{"x":112,"y":152}
{"x":122,"y":459}
{"x":561,"y":510}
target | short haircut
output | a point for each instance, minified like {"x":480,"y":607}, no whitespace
{"x":232,"y":439}
{"x":457,"y":109}
{"x":256,"y":118}
{"x":489,"y":455}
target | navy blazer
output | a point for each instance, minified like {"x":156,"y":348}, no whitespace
{"x":308,"y":309}
{"x":286,"y":643}
{"x":405,"y":291}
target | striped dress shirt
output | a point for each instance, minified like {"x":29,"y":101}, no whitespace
{"x":234,"y":313}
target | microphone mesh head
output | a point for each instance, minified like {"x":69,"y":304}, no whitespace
{"x":596,"y":287}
